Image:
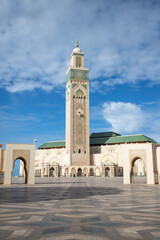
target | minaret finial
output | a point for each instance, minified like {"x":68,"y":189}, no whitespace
{"x":77,"y":45}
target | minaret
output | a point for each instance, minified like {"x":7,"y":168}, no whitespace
{"x":77,"y":110}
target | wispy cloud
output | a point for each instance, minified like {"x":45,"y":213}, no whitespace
{"x":124,"y":117}
{"x":120,"y":38}
{"x":130,"y":118}
{"x":24,"y":127}
{"x":11,"y":121}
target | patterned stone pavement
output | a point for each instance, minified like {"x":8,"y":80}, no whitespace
{"x":80,"y":208}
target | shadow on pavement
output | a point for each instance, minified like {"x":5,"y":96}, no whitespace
{"x":36,"y":194}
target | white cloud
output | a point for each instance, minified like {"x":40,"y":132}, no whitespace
{"x":120,"y":38}
{"x":130,"y":118}
{"x":124,"y":117}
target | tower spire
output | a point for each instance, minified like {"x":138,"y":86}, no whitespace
{"x":77,"y":45}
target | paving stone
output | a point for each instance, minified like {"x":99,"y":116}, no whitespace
{"x":56,"y":230}
{"x":79,"y":208}
{"x":93,"y":230}
{"x":60,"y":219}
{"x":94,"y":219}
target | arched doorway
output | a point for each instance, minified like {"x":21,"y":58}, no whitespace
{"x":59,"y":172}
{"x":107,"y":172}
{"x":91,"y":172}
{"x":85,"y":172}
{"x":37,"y":168}
{"x":97,"y":172}
{"x":19,"y":172}
{"x":66,"y":172}
{"x":73,"y":172}
{"x":138,"y":172}
{"x":79,"y":172}
{"x":24,"y":152}
{"x":52,"y":172}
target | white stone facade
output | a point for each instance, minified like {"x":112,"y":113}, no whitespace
{"x":105,"y":161}
{"x":25,"y":152}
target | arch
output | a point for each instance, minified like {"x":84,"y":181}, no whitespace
{"x":97,"y":172}
{"x":37,"y":168}
{"x":24,"y":172}
{"x":137,"y":170}
{"x":37,"y":163}
{"x":60,"y":171}
{"x":24,"y":152}
{"x":108,"y":159}
{"x":79,"y":172}
{"x":54,"y":161}
{"x":144,"y":151}
{"x":73,"y":172}
{"x":38,"y":172}
{"x":91,"y":172}
{"x":107,"y":172}
{"x":97,"y":150}
{"x":66,"y":172}
{"x":79,"y":91}
{"x":85,"y":172}
{"x":52,"y":172}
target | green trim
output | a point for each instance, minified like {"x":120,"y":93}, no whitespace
{"x":76,"y":74}
{"x":68,"y":77}
{"x":74,"y":85}
{"x":53,"y":144}
{"x":120,"y":139}
{"x":80,"y":54}
{"x":104,"y":134}
{"x":79,"y":90}
{"x":67,"y":89}
{"x":84,"y":85}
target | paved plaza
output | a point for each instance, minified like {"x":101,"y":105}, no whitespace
{"x":80,"y":208}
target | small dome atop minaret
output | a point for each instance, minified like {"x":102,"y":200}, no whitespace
{"x":77,"y":49}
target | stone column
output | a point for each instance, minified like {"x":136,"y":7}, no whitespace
{"x":69,"y":172}
{"x":56,"y":171}
{"x":48,"y":167}
{"x":46,"y":170}
{"x":112,"y":171}
{"x":126,"y":166}
{"x":63,"y":172}
{"x":31,"y":166}
{"x":149,"y":161}
{"x":103,"y":171}
{"x":158,"y":161}
{"x":42,"y":171}
{"x":8,"y":166}
{"x":0,"y":156}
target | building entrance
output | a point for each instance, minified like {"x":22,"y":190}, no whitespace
{"x":79,"y":173}
{"x":107,"y":172}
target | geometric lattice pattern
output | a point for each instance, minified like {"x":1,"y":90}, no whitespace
{"x":80,"y":208}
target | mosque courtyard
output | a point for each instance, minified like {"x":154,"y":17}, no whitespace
{"x":80,"y":208}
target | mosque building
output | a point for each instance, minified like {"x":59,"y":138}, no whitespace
{"x":96,"y":154}
{"x":104,"y":154}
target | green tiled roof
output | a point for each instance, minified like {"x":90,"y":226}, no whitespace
{"x":53,"y":144}
{"x":104,"y":134}
{"x":121,"y":139}
{"x":104,"y":138}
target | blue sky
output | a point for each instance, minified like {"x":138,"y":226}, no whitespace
{"x":121,"y":42}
